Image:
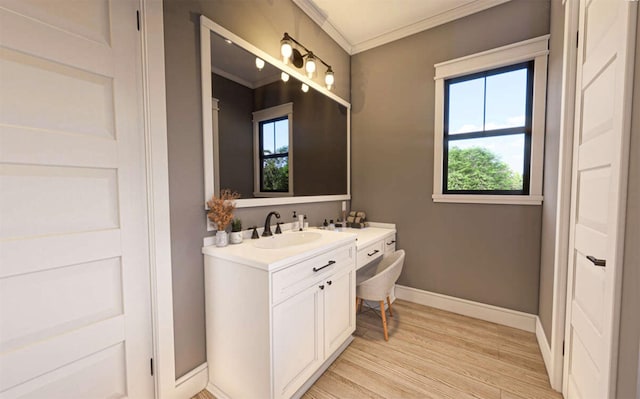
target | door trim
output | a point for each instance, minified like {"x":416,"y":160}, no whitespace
{"x":157,"y":170}
{"x":563,"y":204}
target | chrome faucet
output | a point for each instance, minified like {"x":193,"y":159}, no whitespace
{"x":267,"y":224}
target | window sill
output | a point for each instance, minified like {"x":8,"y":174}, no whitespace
{"x":489,"y":199}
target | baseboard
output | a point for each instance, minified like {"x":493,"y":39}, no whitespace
{"x":494,"y":314}
{"x":193,"y":382}
{"x":216,"y":392}
{"x":545,"y":349}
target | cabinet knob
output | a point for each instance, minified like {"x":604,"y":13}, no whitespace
{"x":329,"y":282}
{"x":321,"y":286}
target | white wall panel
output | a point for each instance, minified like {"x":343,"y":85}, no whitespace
{"x":61,"y":98}
{"x":36,"y":305}
{"x":597,"y":107}
{"x":55,"y":200}
{"x":88,"y":19}
{"x":100,"y":375}
{"x":593,"y":200}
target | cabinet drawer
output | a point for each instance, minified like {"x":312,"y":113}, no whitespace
{"x":295,"y":278}
{"x":370,"y":253}
{"x":390,"y":243}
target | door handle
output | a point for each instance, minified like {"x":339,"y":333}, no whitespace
{"x":596,"y":261}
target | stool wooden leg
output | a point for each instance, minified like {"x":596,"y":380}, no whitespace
{"x":358,"y":305}
{"x":390,"y":311}
{"x":384,"y":321}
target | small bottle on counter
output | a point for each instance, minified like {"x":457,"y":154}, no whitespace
{"x":325,"y":225}
{"x":294,"y":223}
{"x":332,"y":226}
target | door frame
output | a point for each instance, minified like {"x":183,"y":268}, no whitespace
{"x":563,"y":204}
{"x":157,"y":172}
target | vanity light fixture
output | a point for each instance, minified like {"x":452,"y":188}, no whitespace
{"x":309,"y":60}
{"x":305,"y":87}
{"x":284,"y":76}
{"x":259,"y":63}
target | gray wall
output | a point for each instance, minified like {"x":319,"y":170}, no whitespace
{"x":629,"y":351}
{"x":551,"y":154}
{"x":484,"y":253}
{"x":263,"y":24}
{"x":235,"y":135}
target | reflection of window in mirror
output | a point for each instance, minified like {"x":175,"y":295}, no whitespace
{"x":273,"y":151}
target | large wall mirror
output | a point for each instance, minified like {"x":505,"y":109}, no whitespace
{"x":264,"y":136}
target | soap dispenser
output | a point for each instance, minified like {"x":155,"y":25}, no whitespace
{"x":294,"y":224}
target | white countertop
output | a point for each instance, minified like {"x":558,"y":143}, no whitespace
{"x":274,"y":259}
{"x":368,"y":235}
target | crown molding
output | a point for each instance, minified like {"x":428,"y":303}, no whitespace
{"x":427,"y":23}
{"x":320,"y":18}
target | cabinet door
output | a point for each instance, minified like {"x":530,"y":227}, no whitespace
{"x":339,"y":309}
{"x":297,"y":340}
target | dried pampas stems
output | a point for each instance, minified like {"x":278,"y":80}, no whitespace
{"x":221,"y":208}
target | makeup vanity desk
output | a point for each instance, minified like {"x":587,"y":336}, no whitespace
{"x":373,"y":242}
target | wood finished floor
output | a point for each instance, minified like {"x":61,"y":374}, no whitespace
{"x":432,"y":353}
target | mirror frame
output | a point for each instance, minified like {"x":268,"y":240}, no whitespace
{"x":211,"y":172}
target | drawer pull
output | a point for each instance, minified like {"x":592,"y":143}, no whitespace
{"x":373,"y":253}
{"x":329,"y":282}
{"x":392,"y":242}
{"x":317,"y":269}
{"x":321,"y":286}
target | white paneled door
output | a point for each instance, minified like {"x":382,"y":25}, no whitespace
{"x":75,"y":318}
{"x":606,"y":42}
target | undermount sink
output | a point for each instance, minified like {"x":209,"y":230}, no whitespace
{"x":286,"y":240}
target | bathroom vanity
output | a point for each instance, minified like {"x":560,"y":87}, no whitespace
{"x":278,"y":314}
{"x":281,"y":309}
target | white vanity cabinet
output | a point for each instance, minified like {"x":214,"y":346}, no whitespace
{"x":274,"y":325}
{"x":309,"y":327}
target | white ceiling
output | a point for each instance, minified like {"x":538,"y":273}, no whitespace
{"x":359,"y":25}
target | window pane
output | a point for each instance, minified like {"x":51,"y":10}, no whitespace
{"x":268,"y":137}
{"x":275,"y":174}
{"x":282,"y":136}
{"x":488,"y":163}
{"x":466,"y":106}
{"x":506,"y":99}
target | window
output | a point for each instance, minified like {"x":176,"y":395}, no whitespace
{"x":489,"y":125}
{"x":487,"y":132}
{"x":274,"y":155}
{"x":273,"y":151}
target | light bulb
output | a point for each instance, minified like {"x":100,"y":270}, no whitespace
{"x":285,"y":48}
{"x":259,"y":63}
{"x":284,"y":76}
{"x":305,"y":88}
{"x":310,"y":65}
{"x":329,"y":79}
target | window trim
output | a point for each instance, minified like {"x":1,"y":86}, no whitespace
{"x":535,"y":50}
{"x":279,"y":111}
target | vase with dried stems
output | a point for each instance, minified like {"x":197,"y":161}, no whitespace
{"x":221,"y":213}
